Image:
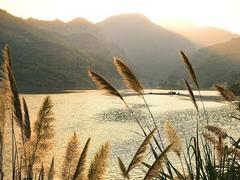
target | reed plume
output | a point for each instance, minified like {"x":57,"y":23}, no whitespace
{"x":226,"y":94}
{"x":210,"y":138}
{"x":139,"y":155}
{"x":109,"y":89}
{"x":12,"y":91}
{"x":103,"y":84}
{"x":156,"y":167}
{"x":98,"y":166}
{"x":217,"y":131}
{"x":173,"y":137}
{"x":51,"y":171}
{"x":4,"y":96}
{"x":128,"y":76}
{"x":27,"y":123}
{"x":15,"y":100}
{"x":194,"y":79}
{"x":3,"y":110}
{"x":80,"y":172}
{"x":189,"y":68}
{"x":191,"y":95}
{"x":175,"y":140}
{"x":7,"y":50}
{"x":71,"y":157}
{"x":131,"y":82}
{"x":218,"y":145}
{"x":43,"y":132}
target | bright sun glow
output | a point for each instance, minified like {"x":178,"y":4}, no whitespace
{"x":220,"y":13}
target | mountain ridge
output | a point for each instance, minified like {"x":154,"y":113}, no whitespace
{"x":216,"y":64}
{"x":151,"y":48}
{"x":203,"y":36}
{"x":51,"y":55}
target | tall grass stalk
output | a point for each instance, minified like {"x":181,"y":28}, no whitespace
{"x":130,"y":81}
{"x":207,"y":155}
{"x":80,"y":172}
{"x":109,"y":89}
{"x":156,"y":167}
{"x":138,"y":157}
{"x":51,"y":171}
{"x":193,"y":76}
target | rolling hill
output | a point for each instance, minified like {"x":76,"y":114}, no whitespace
{"x":150,"y":49}
{"x":203,"y":36}
{"x":54,"y":55}
{"x":219,"y":63}
{"x":48,"y":60}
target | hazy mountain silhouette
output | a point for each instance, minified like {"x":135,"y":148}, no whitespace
{"x":45,"y":59}
{"x":219,"y":63}
{"x":150,"y":49}
{"x":203,"y":36}
{"x":46,"y":50}
{"x":51,"y":55}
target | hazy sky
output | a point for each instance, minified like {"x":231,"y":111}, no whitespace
{"x":219,"y":13}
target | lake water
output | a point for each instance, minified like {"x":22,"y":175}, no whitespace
{"x":104,"y":118}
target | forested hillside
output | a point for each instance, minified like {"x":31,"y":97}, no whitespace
{"x":45,"y":59}
{"x":55,"y":55}
{"x":219,"y":63}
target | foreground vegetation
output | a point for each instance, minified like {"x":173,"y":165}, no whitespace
{"x":207,"y":155}
{"x":30,"y":146}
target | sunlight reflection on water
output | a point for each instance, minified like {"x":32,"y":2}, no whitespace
{"x":105,"y":118}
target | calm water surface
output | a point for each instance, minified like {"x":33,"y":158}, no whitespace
{"x":104,"y":118}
